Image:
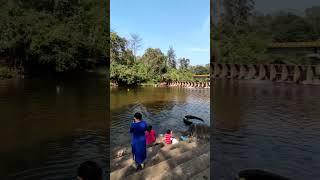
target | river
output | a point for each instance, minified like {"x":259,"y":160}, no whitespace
{"x":265,"y":125}
{"x":163,"y":108}
{"x":48,"y":127}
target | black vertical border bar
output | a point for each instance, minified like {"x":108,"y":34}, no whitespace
{"x":106,"y":30}
{"x":211,"y":85}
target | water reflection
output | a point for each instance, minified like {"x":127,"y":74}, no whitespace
{"x":268,"y":126}
{"x":48,"y":133}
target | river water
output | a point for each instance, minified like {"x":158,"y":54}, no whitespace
{"x":265,"y":125}
{"x":48,"y":127}
{"x":163,"y":108}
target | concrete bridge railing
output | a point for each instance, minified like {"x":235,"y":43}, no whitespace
{"x":305,"y":74}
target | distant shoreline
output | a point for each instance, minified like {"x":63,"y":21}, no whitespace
{"x":6,"y":73}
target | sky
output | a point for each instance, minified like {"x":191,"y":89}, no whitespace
{"x":182,"y":24}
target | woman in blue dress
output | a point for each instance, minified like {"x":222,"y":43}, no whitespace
{"x":138,"y":142}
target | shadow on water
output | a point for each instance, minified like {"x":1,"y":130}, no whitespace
{"x":270,"y":126}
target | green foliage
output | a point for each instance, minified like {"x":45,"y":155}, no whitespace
{"x":152,"y":67}
{"x":6,"y":73}
{"x":244,"y":47}
{"x":287,"y":27}
{"x":243,"y":36}
{"x":156,"y":62}
{"x":184,"y":63}
{"x":118,"y":49}
{"x":237,"y":12}
{"x":128,"y":74}
{"x":60,"y":36}
{"x":201,"y":70}
{"x":179,"y":75}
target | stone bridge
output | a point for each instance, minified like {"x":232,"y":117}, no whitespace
{"x":199,"y":81}
{"x":305,"y":74}
{"x":194,"y":84}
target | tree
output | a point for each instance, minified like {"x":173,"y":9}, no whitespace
{"x":237,"y":12}
{"x":171,"y":58}
{"x":200,"y":70}
{"x":245,"y":47}
{"x":313,"y":15}
{"x":128,"y":75}
{"x":288,"y":27}
{"x":155,"y":60}
{"x":52,"y":36}
{"x":135,"y":44}
{"x":118,"y":50}
{"x":184,"y":63}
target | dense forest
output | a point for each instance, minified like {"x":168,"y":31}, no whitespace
{"x":52,"y":36}
{"x":152,"y":67}
{"x":243,"y":34}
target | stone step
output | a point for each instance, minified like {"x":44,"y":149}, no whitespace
{"x":203,"y":175}
{"x":169,"y":164}
{"x":125,"y":167}
{"x":188,"y":169}
{"x":167,"y":153}
{"x":118,"y":163}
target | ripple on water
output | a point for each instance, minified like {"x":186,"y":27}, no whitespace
{"x":64,"y":156}
{"x":162,"y":107}
{"x":274,"y":127}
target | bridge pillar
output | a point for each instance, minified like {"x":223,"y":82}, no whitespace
{"x":310,"y":74}
{"x":273,"y":72}
{"x":262,"y":72}
{"x":297,"y":74}
{"x":242,"y":72}
{"x":252,"y":72}
{"x":216,"y":71}
{"x":224,"y":71}
{"x":284,"y":73}
{"x":317,"y":74}
{"x":234,"y":71}
{"x":317,"y":69}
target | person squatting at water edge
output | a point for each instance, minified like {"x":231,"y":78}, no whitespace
{"x":138,"y":141}
{"x":169,"y":139}
{"x":150,"y":136}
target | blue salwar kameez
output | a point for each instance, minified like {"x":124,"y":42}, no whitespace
{"x":138,"y":142}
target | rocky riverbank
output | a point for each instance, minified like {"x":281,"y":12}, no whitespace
{"x":187,"y":159}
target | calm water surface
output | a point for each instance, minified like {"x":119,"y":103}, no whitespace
{"x":163,"y":108}
{"x":49,"y":127}
{"x":269,"y":126}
